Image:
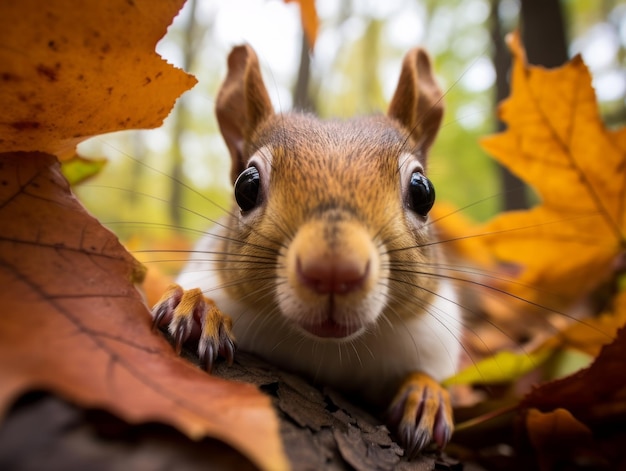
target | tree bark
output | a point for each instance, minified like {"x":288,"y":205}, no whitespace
{"x":301,"y":98}
{"x":543,"y":36}
{"x":320,"y":430}
{"x":513,"y":189}
{"x":543,"y":32}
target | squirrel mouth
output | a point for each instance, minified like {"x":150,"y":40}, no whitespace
{"x":330,"y":329}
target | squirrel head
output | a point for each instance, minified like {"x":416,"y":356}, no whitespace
{"x":340,"y":207}
{"x":243,"y":104}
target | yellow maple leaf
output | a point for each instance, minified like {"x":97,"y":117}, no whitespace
{"x":461,"y":236}
{"x":70,"y":70}
{"x":557,"y":143}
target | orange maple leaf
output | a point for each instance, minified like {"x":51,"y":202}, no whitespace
{"x":72,"y":321}
{"x":309,"y":19}
{"x":71,"y":70}
{"x":557,"y":143}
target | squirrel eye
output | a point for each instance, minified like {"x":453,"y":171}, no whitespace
{"x":421,"y":194}
{"x":247,"y":189}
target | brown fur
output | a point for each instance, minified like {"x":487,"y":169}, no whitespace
{"x":325,"y":170}
{"x":333,"y":203}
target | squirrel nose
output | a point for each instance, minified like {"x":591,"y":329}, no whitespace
{"x":332,"y":274}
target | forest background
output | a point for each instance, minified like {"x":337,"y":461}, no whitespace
{"x":152,"y":188}
{"x":67,"y":275}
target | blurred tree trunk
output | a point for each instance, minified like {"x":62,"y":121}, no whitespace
{"x":180,"y":121}
{"x":301,"y":96}
{"x":543,"y":36}
{"x":512,"y":188}
{"x":543,"y":32}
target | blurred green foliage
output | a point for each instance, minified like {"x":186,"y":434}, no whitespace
{"x":353,"y":71}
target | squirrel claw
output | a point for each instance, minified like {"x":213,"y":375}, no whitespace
{"x":158,"y":314}
{"x":164,"y":308}
{"x":190,"y":315}
{"x":181,"y":333}
{"x":207,"y":356}
{"x":216,"y":338}
{"x":421,"y":413}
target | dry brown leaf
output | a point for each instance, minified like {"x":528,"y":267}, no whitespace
{"x":595,"y":395}
{"x":71,"y":69}
{"x":73,"y":323}
{"x":544,"y":427}
{"x":557,"y":437}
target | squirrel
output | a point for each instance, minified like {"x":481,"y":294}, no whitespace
{"x":327,"y":265}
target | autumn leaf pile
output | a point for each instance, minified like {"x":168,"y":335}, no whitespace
{"x":73,"y":323}
{"x":560,"y":264}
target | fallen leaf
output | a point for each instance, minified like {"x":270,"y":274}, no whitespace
{"x":566,"y":250}
{"x":558,"y":438}
{"x":503,"y":367}
{"x":309,"y":20}
{"x":556,"y":142}
{"x":587,"y":336}
{"x":590,"y":335}
{"x":491,"y":295}
{"x":70,"y":70}
{"x":77,"y":169}
{"x":463,"y":238}
{"x":565,"y":362}
{"x":544,"y":427}
{"x":73,"y":323}
{"x":595,"y":395}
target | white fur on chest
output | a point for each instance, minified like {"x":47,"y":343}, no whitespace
{"x":429,"y":342}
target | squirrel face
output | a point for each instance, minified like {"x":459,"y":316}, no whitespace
{"x":326,"y":266}
{"x":338,"y":207}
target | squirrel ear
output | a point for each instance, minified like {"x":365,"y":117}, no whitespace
{"x":242,"y":103}
{"x":417,"y":102}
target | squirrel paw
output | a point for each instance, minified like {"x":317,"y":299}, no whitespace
{"x":421,"y":413}
{"x":192,"y":316}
